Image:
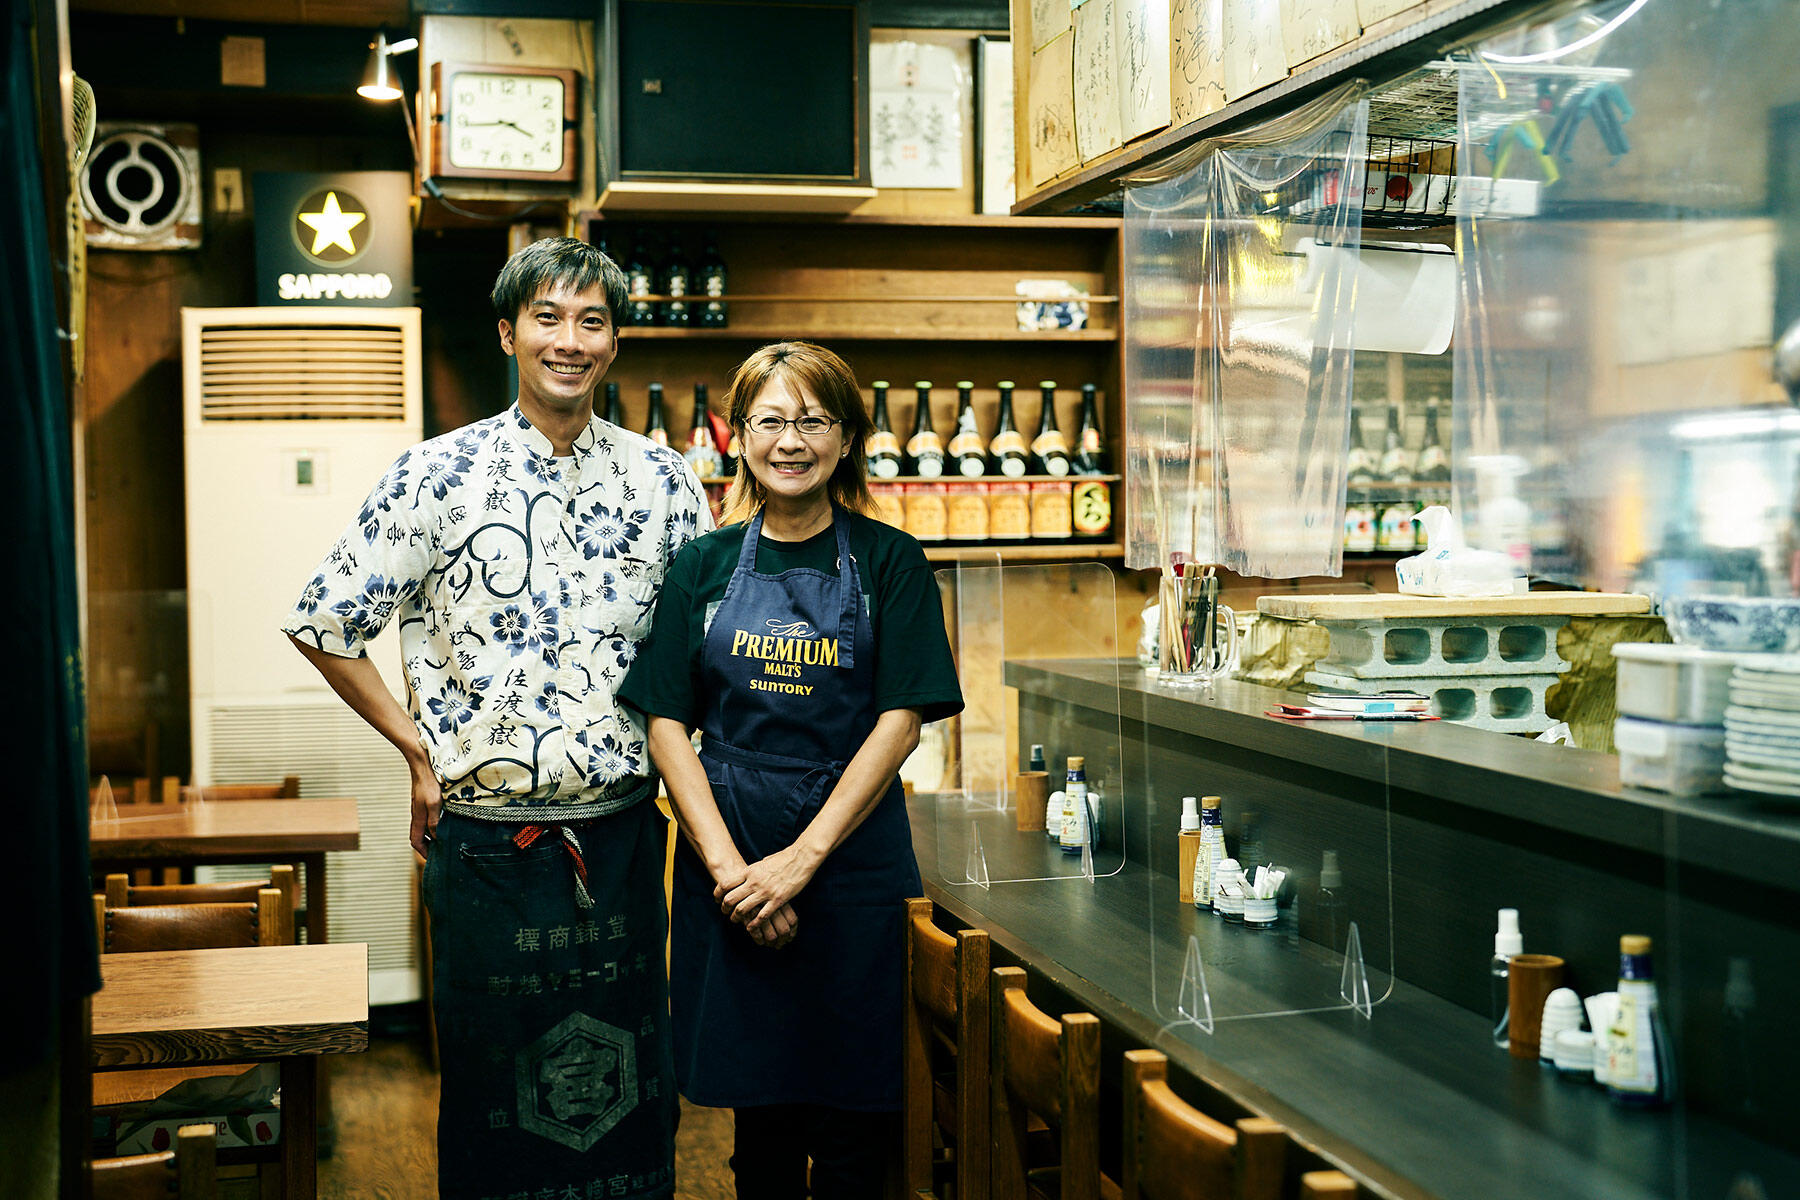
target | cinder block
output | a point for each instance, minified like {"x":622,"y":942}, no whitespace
{"x":1403,"y":648}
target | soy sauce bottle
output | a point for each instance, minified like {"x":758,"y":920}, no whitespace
{"x":924,"y":449}
{"x":884,"y":446}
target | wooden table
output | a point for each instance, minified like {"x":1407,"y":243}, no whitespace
{"x":232,"y":831}
{"x":286,"y":1004}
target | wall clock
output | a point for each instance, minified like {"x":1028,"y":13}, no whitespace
{"x":504,"y":122}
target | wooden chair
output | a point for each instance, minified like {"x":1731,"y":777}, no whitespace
{"x":188,"y":1172}
{"x":287,"y":789}
{"x":1327,"y":1185}
{"x":1173,"y":1151}
{"x":266,"y":921}
{"x":1049,"y":1069}
{"x":945,"y":1057}
{"x":122,"y":893}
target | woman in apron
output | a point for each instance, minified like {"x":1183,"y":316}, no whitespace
{"x":806,"y":641}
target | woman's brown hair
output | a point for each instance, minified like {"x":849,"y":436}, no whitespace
{"x":818,"y":373}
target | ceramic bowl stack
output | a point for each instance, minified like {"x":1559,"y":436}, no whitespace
{"x":1671,"y":728}
{"x":1762,"y":726}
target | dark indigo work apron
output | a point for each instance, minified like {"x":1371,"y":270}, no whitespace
{"x":788,"y":669}
{"x":552,"y":1014}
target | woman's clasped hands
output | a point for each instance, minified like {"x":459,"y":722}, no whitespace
{"x":759,"y":896}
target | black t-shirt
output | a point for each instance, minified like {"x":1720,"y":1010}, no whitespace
{"x":913,"y":665}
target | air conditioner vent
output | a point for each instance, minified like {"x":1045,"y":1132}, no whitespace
{"x":343,"y":372}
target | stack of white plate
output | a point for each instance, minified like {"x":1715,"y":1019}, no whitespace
{"x":1762,"y":726}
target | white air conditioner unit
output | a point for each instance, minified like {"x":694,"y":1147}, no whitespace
{"x":290,"y":415}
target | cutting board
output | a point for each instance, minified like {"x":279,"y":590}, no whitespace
{"x":1380,"y":606}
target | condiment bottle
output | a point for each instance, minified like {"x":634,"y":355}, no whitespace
{"x":1508,"y":941}
{"x":1212,"y":850}
{"x":1191,"y":841}
{"x":1075,"y":807}
{"x":1639,"y":1067}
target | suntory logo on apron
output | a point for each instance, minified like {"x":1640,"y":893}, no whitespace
{"x":784,"y":651}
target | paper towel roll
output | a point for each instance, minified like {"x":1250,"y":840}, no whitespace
{"x":1405,"y":291}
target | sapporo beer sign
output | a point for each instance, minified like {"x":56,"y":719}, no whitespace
{"x":342,"y":238}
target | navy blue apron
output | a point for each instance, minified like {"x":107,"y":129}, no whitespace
{"x":787,"y":665}
{"x":551,"y":1009}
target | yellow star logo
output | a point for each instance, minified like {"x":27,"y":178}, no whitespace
{"x":331,"y":225}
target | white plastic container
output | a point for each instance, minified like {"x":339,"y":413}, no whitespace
{"x":1684,"y":760}
{"x":1660,"y":681}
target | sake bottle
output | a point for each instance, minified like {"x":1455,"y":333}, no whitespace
{"x":1007,"y":452}
{"x":640,"y":283}
{"x":1090,"y":448}
{"x":656,"y":425}
{"x":1396,"y":464}
{"x":715,"y":311}
{"x":701,"y":453}
{"x":966,"y":445}
{"x":677,"y":280}
{"x":1049,"y":448}
{"x":924,"y":449}
{"x":1434,"y":460}
{"x":884,"y":447}
{"x":614,"y":412}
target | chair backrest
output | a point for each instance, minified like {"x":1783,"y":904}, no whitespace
{"x":287,"y":789}
{"x":1327,"y":1185}
{"x":122,"y":893}
{"x":165,"y":789}
{"x":1051,"y":1069}
{"x":947,"y":1025}
{"x":266,"y":921}
{"x":1173,"y":1151}
{"x":188,"y":1172}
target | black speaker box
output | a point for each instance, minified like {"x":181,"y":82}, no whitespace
{"x":721,"y":90}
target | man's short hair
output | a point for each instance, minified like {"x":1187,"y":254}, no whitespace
{"x":552,"y":263}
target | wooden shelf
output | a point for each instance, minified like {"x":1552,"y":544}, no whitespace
{"x":943,"y":552}
{"x":722,"y":480}
{"x":752,"y":333}
{"x":654,"y":199}
{"x":1384,"y":52}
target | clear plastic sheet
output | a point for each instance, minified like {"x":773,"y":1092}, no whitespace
{"x":1629,"y":244}
{"x":1239,"y":354}
{"x":990,"y":820}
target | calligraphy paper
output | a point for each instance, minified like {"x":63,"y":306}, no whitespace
{"x":1050,"y":110}
{"x":1370,"y":11}
{"x":916,"y":96}
{"x":1049,"y":21}
{"x":1141,"y":39}
{"x":1196,"y":59}
{"x":997,"y":186}
{"x":1255,"y":56}
{"x":1096,"y":93}
{"x":1311,"y":27}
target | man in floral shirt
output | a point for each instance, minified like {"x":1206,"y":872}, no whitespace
{"x":522,"y":556}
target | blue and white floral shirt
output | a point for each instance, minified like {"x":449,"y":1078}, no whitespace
{"x":523,"y":584}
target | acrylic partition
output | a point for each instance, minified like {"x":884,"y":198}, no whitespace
{"x":1634,"y":260}
{"x":1298,"y":919}
{"x":1240,"y":272}
{"x":997,"y":820}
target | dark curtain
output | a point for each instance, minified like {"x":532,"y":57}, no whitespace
{"x":48,"y":938}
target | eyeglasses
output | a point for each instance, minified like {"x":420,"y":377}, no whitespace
{"x":770,"y":425}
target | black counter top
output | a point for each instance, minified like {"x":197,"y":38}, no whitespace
{"x":1559,"y":788}
{"x":1413,"y":1100}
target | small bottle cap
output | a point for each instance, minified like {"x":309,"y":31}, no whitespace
{"x":1634,"y":943}
{"x":1574,"y":1051}
{"x":1006,"y":384}
{"x":1507,"y":938}
{"x":1329,"y":875}
{"x":1190,"y":816}
{"x":1209,"y":802}
{"x":923,"y":383}
{"x":1076,"y":762}
{"x":880,"y":383}
{"x":965,"y":383}
{"x":1037,"y":750}
{"x":1046,"y":383}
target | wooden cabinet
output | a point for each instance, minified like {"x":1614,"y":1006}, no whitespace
{"x":901,"y":299}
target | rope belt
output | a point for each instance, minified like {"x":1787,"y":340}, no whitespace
{"x":528,"y":836}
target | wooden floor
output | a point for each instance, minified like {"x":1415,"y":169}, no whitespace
{"x":384,"y":1104}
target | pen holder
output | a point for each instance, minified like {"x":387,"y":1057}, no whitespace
{"x":1197,"y":640}
{"x":1030,"y":793}
{"x":1530,"y":978}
